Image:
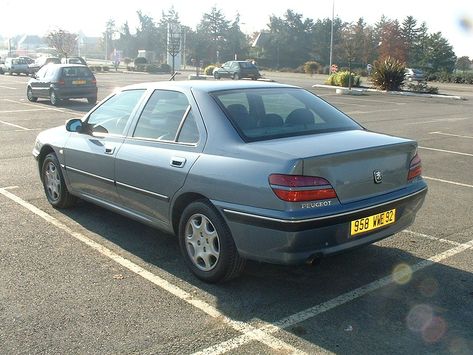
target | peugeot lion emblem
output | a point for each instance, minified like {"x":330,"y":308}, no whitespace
{"x":378,"y":177}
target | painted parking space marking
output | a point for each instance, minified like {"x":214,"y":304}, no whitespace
{"x":451,"y":135}
{"x":41,"y":108}
{"x":368,"y":112}
{"x":453,"y":119}
{"x":447,"y":181}
{"x":15,"y":125}
{"x":446,"y":151}
{"x":345,"y":298}
{"x":7,"y":87}
{"x":254,"y":333}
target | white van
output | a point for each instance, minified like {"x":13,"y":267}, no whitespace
{"x":16,"y":65}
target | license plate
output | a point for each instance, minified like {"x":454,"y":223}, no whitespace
{"x":78,"y":82}
{"x":370,"y":223}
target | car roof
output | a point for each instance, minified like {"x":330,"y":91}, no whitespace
{"x":208,"y":86}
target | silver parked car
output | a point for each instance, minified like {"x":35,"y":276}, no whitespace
{"x":237,"y":170}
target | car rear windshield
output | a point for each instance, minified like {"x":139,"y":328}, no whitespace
{"x":262,"y":114}
{"x":74,"y":72}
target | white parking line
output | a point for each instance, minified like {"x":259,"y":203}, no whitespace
{"x":302,"y":316}
{"x":436,"y":239}
{"x":451,"y":135}
{"x":43,"y":108}
{"x":25,"y":110}
{"x":447,"y":181}
{"x":14,"y":125}
{"x":441,"y":120}
{"x":7,"y":87}
{"x":255,"y":334}
{"x":446,"y":151}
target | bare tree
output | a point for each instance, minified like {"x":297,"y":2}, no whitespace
{"x":64,"y":42}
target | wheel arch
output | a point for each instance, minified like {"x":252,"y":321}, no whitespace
{"x":45,"y":150}
{"x":180,"y":204}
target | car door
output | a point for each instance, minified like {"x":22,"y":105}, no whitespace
{"x":40,"y":84}
{"x":155,"y":158}
{"x":225,"y":70}
{"x":90,"y":156}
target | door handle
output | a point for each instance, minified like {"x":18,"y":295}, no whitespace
{"x":109,"y":150}
{"x":178,"y":162}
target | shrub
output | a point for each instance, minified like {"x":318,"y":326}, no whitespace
{"x":140,"y":61}
{"x":130,"y":68}
{"x":311,"y":67}
{"x":422,"y":87}
{"x":388,"y":74}
{"x":209,"y":69}
{"x":127,"y":61}
{"x":341,"y":78}
{"x":151,"y":68}
{"x":165,"y":68}
{"x":105,"y":68}
{"x":98,"y":68}
{"x":140,"y":67}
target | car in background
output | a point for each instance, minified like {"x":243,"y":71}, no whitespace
{"x":27,"y":59}
{"x":16,"y":66}
{"x":58,"y":82}
{"x":414,"y":75}
{"x":236,"y":170}
{"x":237,"y":69}
{"x":41,"y":62}
{"x":73,"y":60}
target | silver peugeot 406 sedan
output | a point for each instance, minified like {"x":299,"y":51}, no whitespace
{"x":237,"y":170}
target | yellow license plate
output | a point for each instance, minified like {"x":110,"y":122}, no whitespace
{"x":375,"y":221}
{"x":78,"y":82}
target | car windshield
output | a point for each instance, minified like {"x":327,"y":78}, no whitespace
{"x":261,"y":114}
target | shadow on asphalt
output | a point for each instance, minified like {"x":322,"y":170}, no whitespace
{"x":421,"y":314}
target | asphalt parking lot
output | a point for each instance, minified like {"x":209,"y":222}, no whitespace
{"x":86,"y":280}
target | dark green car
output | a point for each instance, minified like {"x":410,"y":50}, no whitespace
{"x":237,"y":69}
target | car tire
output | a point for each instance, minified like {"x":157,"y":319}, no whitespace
{"x":29,"y":95}
{"x":53,"y":98}
{"x":207,"y":244}
{"x":216,"y":76}
{"x":236,"y":76}
{"x":53,"y":182}
{"x":92,"y":100}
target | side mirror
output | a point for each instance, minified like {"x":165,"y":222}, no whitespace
{"x":75,"y":125}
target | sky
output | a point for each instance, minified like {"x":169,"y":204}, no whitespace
{"x":90,"y":16}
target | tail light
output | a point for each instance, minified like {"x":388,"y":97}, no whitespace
{"x":61,"y":82}
{"x":297,"y":188}
{"x":94,"y":81}
{"x":415,"y":168}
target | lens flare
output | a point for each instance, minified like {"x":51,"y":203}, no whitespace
{"x":402,"y":274}
{"x":466,"y":24}
{"x":434,"y":330}
{"x":419,"y":317}
{"x":428,"y":287}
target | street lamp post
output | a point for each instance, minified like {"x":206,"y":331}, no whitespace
{"x":331,"y":35}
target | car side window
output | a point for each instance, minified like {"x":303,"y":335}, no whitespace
{"x":163,"y":116}
{"x":112,"y":116}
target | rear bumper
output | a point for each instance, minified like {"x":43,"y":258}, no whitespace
{"x":76,"y":93}
{"x":296,"y":241}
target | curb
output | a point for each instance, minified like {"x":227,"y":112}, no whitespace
{"x":340,"y":90}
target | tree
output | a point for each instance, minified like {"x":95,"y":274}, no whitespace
{"x":108,"y":37}
{"x":440,"y":55}
{"x":410,"y":35}
{"x":64,"y":42}
{"x":213,"y":30}
{"x":391,"y":43}
{"x":463,"y":63}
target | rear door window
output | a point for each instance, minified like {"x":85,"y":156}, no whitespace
{"x":167,"y":116}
